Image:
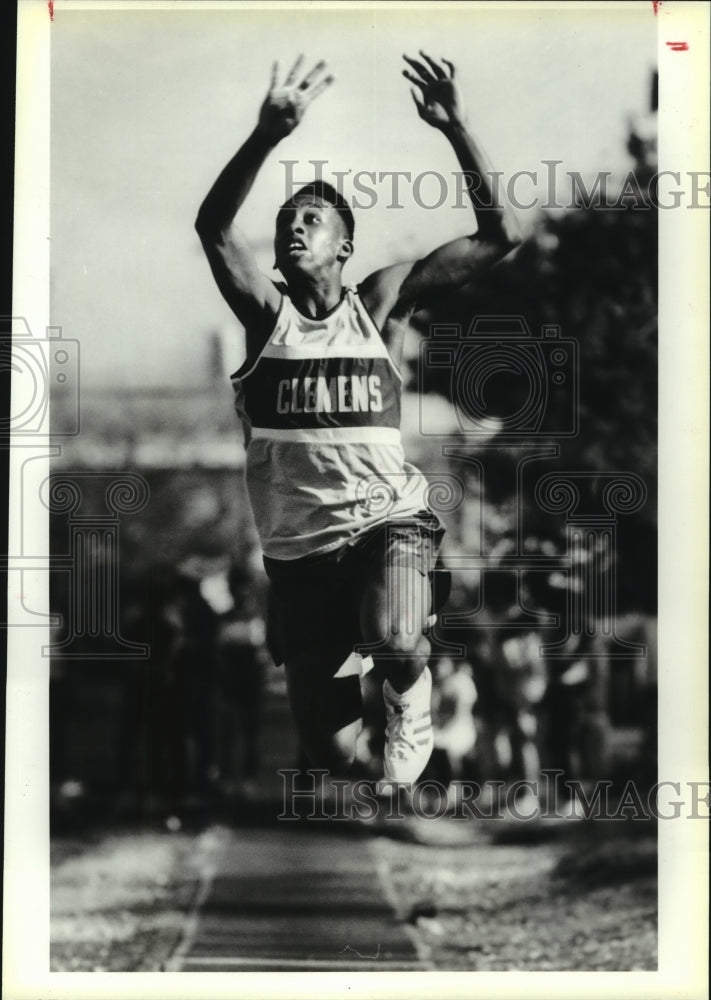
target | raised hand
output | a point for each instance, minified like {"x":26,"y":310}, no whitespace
{"x":438,"y":99}
{"x":285,"y":104}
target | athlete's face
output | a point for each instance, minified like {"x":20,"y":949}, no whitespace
{"x":310,"y":236}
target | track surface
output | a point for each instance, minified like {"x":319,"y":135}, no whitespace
{"x":292,"y":896}
{"x":288,"y":899}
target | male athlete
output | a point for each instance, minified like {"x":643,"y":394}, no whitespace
{"x":319,"y":398}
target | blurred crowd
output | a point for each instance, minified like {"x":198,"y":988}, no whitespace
{"x":182,"y":728}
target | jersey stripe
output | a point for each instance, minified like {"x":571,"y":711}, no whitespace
{"x":324,"y":351}
{"x":330,"y":435}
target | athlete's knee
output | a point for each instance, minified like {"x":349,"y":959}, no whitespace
{"x":406,"y":646}
{"x":395,"y":630}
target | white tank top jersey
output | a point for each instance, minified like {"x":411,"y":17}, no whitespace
{"x":320,"y":408}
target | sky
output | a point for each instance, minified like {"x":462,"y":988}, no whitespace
{"x":148,"y":105}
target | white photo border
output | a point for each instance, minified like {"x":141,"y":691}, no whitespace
{"x":683,"y":465}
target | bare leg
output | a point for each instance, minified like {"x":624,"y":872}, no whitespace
{"x":394,"y":611}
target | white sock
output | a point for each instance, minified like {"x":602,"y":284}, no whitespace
{"x":400,"y":698}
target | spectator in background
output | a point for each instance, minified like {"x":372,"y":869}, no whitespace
{"x":521,"y":685}
{"x":194,"y":666}
{"x":508,"y":676}
{"x":575,"y":709}
{"x":173,"y":689}
{"x":453,"y":699}
{"x":155,"y":730}
{"x":241,"y":661}
{"x":496,"y":597}
{"x":633,"y":690}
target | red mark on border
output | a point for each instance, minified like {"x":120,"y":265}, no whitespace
{"x":678,"y":46}
{"x":50,"y":8}
{"x":656,"y":4}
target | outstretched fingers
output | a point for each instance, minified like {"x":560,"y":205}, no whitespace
{"x":311,"y":75}
{"x":309,"y":86}
{"x":428,"y":71}
{"x":437,"y":70}
{"x":283,"y":107}
{"x":320,"y":87}
{"x":413,"y":79}
{"x":425,"y":76}
{"x":293,"y":71}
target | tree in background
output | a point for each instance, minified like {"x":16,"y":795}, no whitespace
{"x":592,"y":271}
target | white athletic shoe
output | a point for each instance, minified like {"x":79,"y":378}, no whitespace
{"x":408,"y":734}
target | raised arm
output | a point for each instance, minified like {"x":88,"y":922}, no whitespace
{"x":400,"y":289}
{"x":249,"y":292}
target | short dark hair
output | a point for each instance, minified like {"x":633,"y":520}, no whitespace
{"x":328,"y":193}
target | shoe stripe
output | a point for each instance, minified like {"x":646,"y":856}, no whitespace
{"x":422,"y":729}
{"x":404,"y":710}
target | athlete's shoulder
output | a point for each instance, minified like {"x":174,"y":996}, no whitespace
{"x":359,"y":304}
{"x":257,"y":334}
{"x":380,"y":291}
{"x":265,"y":325}
{"x":282,"y":288}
